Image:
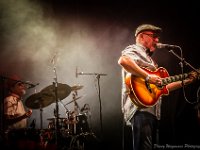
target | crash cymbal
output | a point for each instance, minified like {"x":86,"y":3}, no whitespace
{"x":39,"y":100}
{"x":76,"y":87}
{"x":63,"y":90}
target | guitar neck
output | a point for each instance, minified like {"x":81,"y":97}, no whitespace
{"x":175,"y":78}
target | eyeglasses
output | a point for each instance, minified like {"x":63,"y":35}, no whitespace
{"x":152,"y":35}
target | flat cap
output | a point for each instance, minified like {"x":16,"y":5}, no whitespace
{"x":147,"y":27}
{"x":12,"y":80}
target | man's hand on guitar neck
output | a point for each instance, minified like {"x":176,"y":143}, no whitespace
{"x":192,"y":77}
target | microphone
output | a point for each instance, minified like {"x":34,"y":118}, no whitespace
{"x":30,"y":85}
{"x":168,"y":46}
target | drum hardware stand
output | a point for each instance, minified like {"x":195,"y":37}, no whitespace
{"x":99,"y":95}
{"x":76,"y":106}
{"x":55,"y":85}
{"x":67,"y":113}
{"x":41,"y":117}
{"x":57,"y":108}
{"x":86,"y":110}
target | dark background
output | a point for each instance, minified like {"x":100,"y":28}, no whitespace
{"x":91,"y":35}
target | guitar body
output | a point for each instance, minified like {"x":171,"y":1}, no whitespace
{"x":144,"y":94}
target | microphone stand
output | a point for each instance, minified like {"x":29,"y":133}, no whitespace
{"x":183,"y":61}
{"x":100,"y":107}
{"x":99,"y":95}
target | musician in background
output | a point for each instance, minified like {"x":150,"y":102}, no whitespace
{"x":15,"y":114}
{"x":135,"y":57}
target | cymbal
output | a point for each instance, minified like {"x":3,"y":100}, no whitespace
{"x":39,"y":100}
{"x":63,"y":90}
{"x":76,"y":87}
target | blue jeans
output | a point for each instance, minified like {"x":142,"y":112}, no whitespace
{"x":144,"y":130}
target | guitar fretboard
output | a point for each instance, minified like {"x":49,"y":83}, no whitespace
{"x":175,"y":78}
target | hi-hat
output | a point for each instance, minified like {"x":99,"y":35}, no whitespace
{"x":76,"y":87}
{"x":39,"y":100}
{"x":63,"y":90}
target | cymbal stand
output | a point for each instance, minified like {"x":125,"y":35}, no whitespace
{"x":41,"y":117}
{"x":67,"y":111}
{"x":76,"y":106}
{"x":67,"y":114}
{"x":57,"y":108}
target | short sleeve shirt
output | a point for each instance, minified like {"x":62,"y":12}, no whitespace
{"x":14,"y":107}
{"x":139,"y":54}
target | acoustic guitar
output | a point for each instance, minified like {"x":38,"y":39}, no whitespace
{"x":144,"y":94}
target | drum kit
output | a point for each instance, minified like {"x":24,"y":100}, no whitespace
{"x":74,"y":125}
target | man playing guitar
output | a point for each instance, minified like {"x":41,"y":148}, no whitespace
{"x":143,"y":85}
